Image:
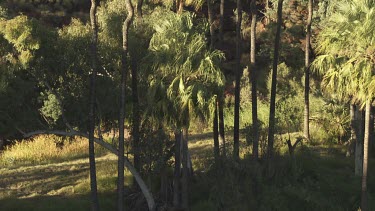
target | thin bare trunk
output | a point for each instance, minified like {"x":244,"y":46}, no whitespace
{"x":211,"y":21}
{"x":94,"y":41}
{"x":307,"y":71}
{"x":364,"y":204}
{"x":353,"y":135}
{"x":236,"y":135}
{"x":185,"y":171}
{"x":221,"y":126}
{"x":221,"y":97}
{"x":139,"y":9}
{"x":216,"y":136}
{"x":271,"y":129}
{"x":359,"y":143}
{"x":267,"y":6}
{"x":135,"y":116}
{"x":371,"y":144}
{"x":215,"y":120}
{"x":254,"y":100}
{"x":177,"y":170}
{"x":124,"y":67}
{"x":221,"y":27}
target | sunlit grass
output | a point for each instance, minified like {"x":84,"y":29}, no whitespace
{"x":43,"y":149}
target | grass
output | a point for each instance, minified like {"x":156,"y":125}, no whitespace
{"x":46,"y":149}
{"x":58,"y":179}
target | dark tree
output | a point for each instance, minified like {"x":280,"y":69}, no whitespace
{"x":271,"y":129}
{"x":254,"y":100}
{"x":307,"y":71}
{"x":124,"y":67}
{"x":94,"y":66}
{"x":236,"y":133}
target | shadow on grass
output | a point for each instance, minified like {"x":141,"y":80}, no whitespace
{"x":57,"y":203}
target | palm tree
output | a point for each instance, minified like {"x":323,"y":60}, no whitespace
{"x":94,"y":58}
{"x":271,"y":129}
{"x":215,"y":127}
{"x":254,"y":100}
{"x":236,"y":130}
{"x":125,"y":32}
{"x":307,"y":71}
{"x":184,"y":80}
{"x":347,"y":61}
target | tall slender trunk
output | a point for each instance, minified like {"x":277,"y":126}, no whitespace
{"x":254,"y":100}
{"x":94,"y":41}
{"x":210,"y":15}
{"x":215,"y":120}
{"x":353,"y":135}
{"x":221,"y":125}
{"x":139,"y":9}
{"x":371,"y":132}
{"x":307,"y":71}
{"x":125,"y":31}
{"x":177,"y":170}
{"x":135,"y":117}
{"x":221,"y":97}
{"x":221,"y":26}
{"x":216,"y":136}
{"x":271,"y":129}
{"x":266,"y":8}
{"x":364,"y":205}
{"x":185,"y":170}
{"x":359,"y":143}
{"x":236,"y":135}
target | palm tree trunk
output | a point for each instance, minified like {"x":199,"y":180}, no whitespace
{"x":216,"y":136}
{"x":221,"y":126}
{"x":185,"y":170}
{"x":236,"y":132}
{"x":177,"y":171}
{"x":211,"y":21}
{"x":254,"y":101}
{"x":364,"y":205}
{"x":371,"y":144}
{"x":215,"y":120}
{"x":221,"y":98}
{"x":353,"y":133}
{"x":221,"y":27}
{"x":359,"y":143}
{"x":135,"y":130}
{"x":139,"y":9}
{"x":94,"y":41}
{"x":271,"y":129}
{"x":125,"y":31}
{"x":307,"y":71}
{"x":266,"y":7}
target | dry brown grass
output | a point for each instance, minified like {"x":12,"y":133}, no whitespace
{"x":43,"y":149}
